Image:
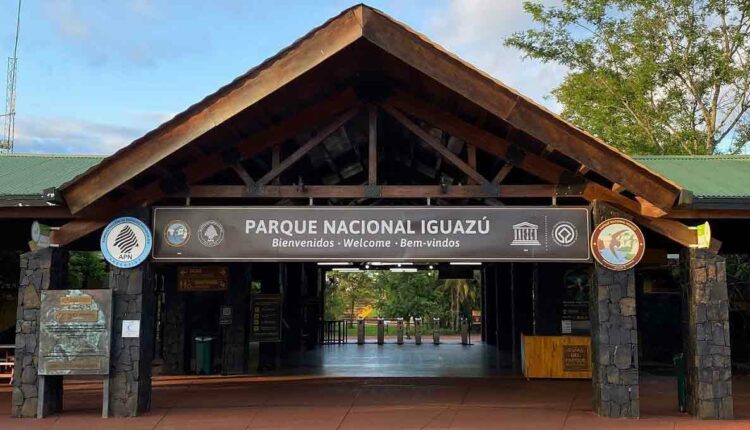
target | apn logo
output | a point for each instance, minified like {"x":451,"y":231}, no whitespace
{"x":125,"y":242}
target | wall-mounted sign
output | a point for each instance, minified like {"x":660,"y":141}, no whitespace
{"x":75,"y":327}
{"x":703,"y":233}
{"x":576,"y":358}
{"x":39,"y":236}
{"x":131,"y":328}
{"x":225,"y":315}
{"x":265,"y":318}
{"x":371,"y":234}
{"x":202,"y":278}
{"x":126,"y":242}
{"x":618,"y":244}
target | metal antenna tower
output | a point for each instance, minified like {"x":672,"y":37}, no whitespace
{"x":9,"y":128}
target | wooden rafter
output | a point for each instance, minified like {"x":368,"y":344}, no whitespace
{"x":502,"y":173}
{"x":263,"y":81}
{"x":481,"y":89}
{"x":242,"y":173}
{"x":211,"y":164}
{"x":372,"y":145}
{"x":435,"y":144}
{"x":383,"y":191}
{"x":537,"y":166}
{"x":73,"y":230}
{"x":308,"y":146}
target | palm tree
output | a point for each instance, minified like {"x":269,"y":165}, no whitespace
{"x":460,"y":291}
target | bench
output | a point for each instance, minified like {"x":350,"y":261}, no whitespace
{"x":7,"y":362}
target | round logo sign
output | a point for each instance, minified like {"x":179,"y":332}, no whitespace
{"x":176,"y":233}
{"x":211,"y":233}
{"x":564,"y":233}
{"x":618,"y":244}
{"x":126,"y":242}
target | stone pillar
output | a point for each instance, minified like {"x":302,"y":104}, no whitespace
{"x":614,"y":337}
{"x":130,"y":368}
{"x":235,"y":336}
{"x":45,"y":269}
{"x":706,"y":335}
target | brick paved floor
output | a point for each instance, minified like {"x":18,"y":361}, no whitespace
{"x":315,"y":402}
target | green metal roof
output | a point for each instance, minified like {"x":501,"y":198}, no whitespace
{"x":708,"y":177}
{"x":27,"y":175}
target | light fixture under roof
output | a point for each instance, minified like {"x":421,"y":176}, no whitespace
{"x":346,"y":269}
{"x":403,"y":269}
{"x":465,"y":263}
{"x":335,"y":263}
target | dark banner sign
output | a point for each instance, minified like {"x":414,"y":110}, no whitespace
{"x":371,"y":234}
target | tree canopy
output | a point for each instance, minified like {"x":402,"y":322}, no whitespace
{"x":650,"y":76}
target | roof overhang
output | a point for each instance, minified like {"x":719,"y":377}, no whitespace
{"x":357,"y":24}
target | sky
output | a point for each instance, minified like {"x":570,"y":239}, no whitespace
{"x":95,"y":75}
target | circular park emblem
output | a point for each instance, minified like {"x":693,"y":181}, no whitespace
{"x":211,"y":233}
{"x":126,"y":242}
{"x":176,"y":233}
{"x":564,"y":233}
{"x":618,"y":244}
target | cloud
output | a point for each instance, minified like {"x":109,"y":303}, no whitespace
{"x":71,"y":136}
{"x":476,"y":30}
{"x":67,"y":19}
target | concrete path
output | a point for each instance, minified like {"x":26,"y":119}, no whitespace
{"x":314,"y":402}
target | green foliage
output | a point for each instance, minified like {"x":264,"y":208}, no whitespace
{"x":401,"y":294}
{"x":650,"y":76}
{"x":86,"y":270}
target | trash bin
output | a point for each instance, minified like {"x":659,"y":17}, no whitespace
{"x":203,"y":354}
{"x":679,"y":364}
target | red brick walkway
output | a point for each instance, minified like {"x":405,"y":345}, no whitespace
{"x":378,"y":403}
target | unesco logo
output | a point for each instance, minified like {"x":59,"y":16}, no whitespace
{"x":564,"y":233}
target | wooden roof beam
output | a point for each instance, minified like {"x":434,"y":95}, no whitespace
{"x":383,"y":191}
{"x":254,"y":144}
{"x":537,"y":166}
{"x":483,"y":90}
{"x":435,"y":144}
{"x":262,"y":81}
{"x":308,"y":146}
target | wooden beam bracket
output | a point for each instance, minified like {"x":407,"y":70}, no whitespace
{"x":373,"y":191}
{"x":490,"y":188}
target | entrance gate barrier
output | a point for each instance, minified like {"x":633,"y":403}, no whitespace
{"x":360,"y":331}
{"x":465,"y":335}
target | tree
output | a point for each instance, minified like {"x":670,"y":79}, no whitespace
{"x":86,"y":269}
{"x":408,"y":295}
{"x":350,"y":289}
{"x":650,"y":76}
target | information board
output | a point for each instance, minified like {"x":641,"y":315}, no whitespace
{"x":202,"y":278}
{"x":75,"y":329}
{"x":266,"y":318}
{"x":477,"y":233}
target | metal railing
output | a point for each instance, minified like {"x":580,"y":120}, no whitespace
{"x":332,"y":332}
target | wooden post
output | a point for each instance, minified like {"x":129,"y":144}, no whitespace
{"x":373,"y":146}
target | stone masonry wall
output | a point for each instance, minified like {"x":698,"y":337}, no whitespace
{"x":173,"y":343}
{"x":45,"y":269}
{"x":706,"y":335}
{"x":614,"y":337}
{"x":130,"y":371}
